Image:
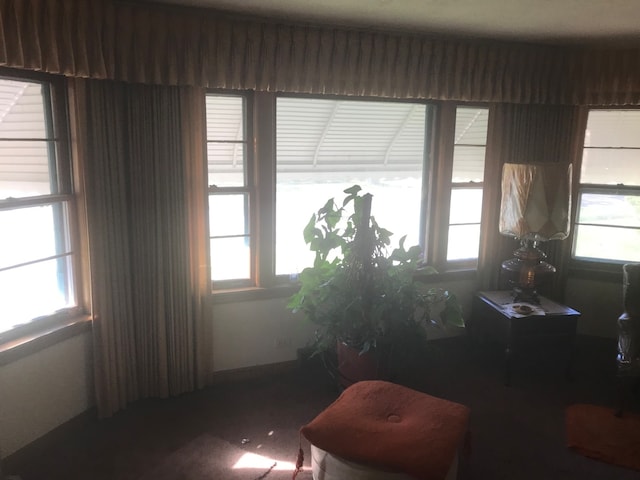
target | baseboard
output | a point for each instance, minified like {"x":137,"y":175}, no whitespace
{"x":253,"y":372}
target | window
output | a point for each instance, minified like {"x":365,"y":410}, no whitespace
{"x":309,"y":149}
{"x":467,"y":175}
{"x":36,"y":202}
{"x":230,"y":191}
{"x":607,"y":227}
{"x":327,"y":145}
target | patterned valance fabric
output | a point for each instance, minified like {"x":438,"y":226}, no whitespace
{"x":108,"y":39}
{"x":171,"y":46}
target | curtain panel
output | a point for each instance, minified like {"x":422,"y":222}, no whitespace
{"x":144,"y":214}
{"x":109,"y":39}
{"x":526,"y":134}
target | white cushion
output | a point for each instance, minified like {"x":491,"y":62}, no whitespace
{"x":326,"y":466}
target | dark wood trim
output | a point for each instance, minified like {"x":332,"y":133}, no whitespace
{"x":441,"y":186}
{"x":252,"y":373}
{"x":264,"y":131}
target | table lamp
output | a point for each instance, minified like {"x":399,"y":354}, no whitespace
{"x":535,"y":207}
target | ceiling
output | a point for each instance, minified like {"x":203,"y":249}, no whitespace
{"x":562,"y":21}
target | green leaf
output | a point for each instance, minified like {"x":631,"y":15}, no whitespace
{"x":415,"y":253}
{"x":352,"y":194}
{"x":329,"y":206}
{"x":353,"y":190}
{"x":332,"y":218}
{"x":310,"y":230}
{"x":452,"y":312}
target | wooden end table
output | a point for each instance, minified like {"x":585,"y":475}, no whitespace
{"x":495,"y":318}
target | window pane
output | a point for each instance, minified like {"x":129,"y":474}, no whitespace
{"x":464,"y":242}
{"x":326,"y":146}
{"x":607,"y":243}
{"x":32,"y":283}
{"x":610,"y":157}
{"x":609,"y":209}
{"x":228,"y":215}
{"x":226,"y":140}
{"x":466,"y":205}
{"x":226,"y":164}
{"x":613,"y":128}
{"x":471,"y":126}
{"x":225,"y":118}
{"x":30,"y":234}
{"x":317,"y":135}
{"x":468,"y":167}
{"x":24,"y":169}
{"x":22,"y":112}
{"x":610,"y":166}
{"x":34,"y":290}
{"x":297,"y":202}
{"x":24,"y":164}
{"x":468,"y":164}
{"x":230,"y":259}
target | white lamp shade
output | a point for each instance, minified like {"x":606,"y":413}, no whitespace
{"x":536,"y":201}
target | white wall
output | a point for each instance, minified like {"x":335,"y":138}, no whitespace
{"x":44,"y":390}
{"x":263,"y":332}
{"x":256,"y":333}
{"x":600,"y":304}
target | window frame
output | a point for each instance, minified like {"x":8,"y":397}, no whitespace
{"x":443,"y":184}
{"x":605,"y":266}
{"x":248,"y":189}
{"x":436,"y":188}
{"x":57,"y":126}
{"x":430,"y":115}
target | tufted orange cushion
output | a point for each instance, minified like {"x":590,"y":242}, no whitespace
{"x":393,"y":427}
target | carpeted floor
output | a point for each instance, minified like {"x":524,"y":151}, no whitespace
{"x":239,"y":431}
{"x":209,"y":458}
{"x":596,"y":432}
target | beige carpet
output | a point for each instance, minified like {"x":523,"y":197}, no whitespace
{"x":209,"y":458}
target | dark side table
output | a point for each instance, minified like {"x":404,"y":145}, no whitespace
{"x":494,"y":318}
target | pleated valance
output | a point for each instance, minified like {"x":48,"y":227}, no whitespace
{"x":605,"y":76}
{"x":142,"y":43}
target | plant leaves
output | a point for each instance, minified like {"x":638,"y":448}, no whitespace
{"x":310,"y":231}
{"x":353,"y":190}
{"x":452,"y":312}
{"x":355,"y":291}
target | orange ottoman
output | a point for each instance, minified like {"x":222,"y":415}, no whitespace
{"x":377,"y":429}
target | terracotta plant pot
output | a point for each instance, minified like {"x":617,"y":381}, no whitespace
{"x":354,"y":366}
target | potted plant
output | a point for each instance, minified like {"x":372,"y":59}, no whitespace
{"x":370,"y":307}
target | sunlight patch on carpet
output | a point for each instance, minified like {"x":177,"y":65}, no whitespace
{"x":211,"y":458}
{"x":252,"y":460}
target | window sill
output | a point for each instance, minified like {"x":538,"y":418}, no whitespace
{"x":447,"y":276}
{"x":235,"y":295}
{"x":253,"y":294}
{"x":39,"y":339}
{"x":598,"y":271}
